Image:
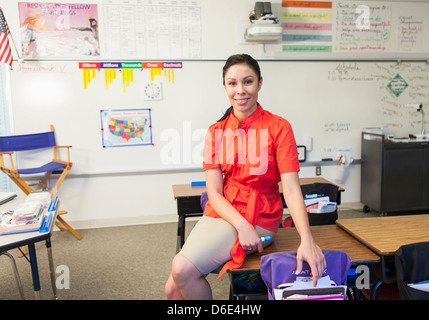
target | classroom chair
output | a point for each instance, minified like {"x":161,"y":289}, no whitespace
{"x":203,"y":200}
{"x":15,"y":270}
{"x":412,"y":266}
{"x":11,"y":145}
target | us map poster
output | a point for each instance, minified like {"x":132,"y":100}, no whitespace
{"x":124,"y":128}
{"x":58,"y":30}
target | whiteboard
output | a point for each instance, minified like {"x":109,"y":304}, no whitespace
{"x":357,"y":30}
{"x":327,"y":96}
{"x":396,"y":30}
{"x":328,"y":101}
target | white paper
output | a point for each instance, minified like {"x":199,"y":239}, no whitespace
{"x":165,"y":29}
{"x":304,"y":283}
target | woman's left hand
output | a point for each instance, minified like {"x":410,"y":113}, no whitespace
{"x":310,"y":252}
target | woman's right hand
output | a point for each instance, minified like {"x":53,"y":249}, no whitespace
{"x":248,"y":237}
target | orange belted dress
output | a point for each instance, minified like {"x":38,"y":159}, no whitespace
{"x":252,"y":154}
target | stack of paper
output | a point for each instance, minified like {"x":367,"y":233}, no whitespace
{"x":424,"y":285}
{"x":28,"y":215}
{"x":27,"y":212}
{"x":303,"y":289}
{"x":320,"y":204}
{"x":31,"y":209}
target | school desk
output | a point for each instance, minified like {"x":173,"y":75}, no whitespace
{"x":385,"y":235}
{"x":16,"y":240}
{"x":188,"y":203}
{"x":327,"y":237}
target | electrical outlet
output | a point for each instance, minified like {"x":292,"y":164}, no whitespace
{"x":318,"y":171}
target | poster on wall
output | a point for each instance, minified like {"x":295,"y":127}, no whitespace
{"x":125,"y":128}
{"x":58,"y":30}
{"x":167,"y":29}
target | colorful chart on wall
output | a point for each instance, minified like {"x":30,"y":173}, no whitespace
{"x":126,"y":68}
{"x":125,"y":128}
{"x":338,"y":29}
{"x":335,"y":26}
{"x":58,"y":30}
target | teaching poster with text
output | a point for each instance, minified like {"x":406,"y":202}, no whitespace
{"x":124,"y":128}
{"x":58,"y":30}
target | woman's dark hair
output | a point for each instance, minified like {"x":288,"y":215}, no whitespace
{"x":239,"y":59}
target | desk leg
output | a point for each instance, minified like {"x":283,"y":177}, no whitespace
{"x":34,"y":270}
{"x":180,"y":232}
{"x":51,"y":267}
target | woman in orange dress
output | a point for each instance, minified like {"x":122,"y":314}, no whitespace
{"x":246,"y":154}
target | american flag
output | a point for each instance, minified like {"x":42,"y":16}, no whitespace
{"x":5,"y":51}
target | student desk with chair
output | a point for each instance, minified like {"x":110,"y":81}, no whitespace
{"x":188,"y":203}
{"x":385,"y":235}
{"x":327,"y":237}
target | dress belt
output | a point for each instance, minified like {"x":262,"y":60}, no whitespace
{"x":255,"y":189}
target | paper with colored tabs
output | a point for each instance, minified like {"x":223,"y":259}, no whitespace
{"x":109,"y":75}
{"x":307,"y":4}
{"x":306,"y":15}
{"x":155,"y":72}
{"x":127,"y":78}
{"x":169,"y":74}
{"x":87,"y":74}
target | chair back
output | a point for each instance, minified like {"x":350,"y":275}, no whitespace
{"x":27,"y":141}
{"x":327,"y":189}
{"x":203,"y":200}
{"x":412,"y":266}
{"x":317,"y":219}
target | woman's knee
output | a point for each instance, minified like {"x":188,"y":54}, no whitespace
{"x":171,"y":290}
{"x":182,"y":270}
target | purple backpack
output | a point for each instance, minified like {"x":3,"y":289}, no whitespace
{"x":278,"y":268}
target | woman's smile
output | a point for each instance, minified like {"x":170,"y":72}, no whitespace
{"x":242,"y":86}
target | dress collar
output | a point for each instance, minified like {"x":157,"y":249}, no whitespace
{"x":248,"y":120}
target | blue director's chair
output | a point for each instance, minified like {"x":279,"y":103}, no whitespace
{"x":9,"y":145}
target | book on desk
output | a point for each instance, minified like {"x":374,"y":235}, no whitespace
{"x":7,"y":196}
{"x":34,"y":214}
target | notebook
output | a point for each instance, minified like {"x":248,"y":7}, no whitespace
{"x":6,"y":196}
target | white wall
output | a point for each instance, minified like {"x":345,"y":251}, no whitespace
{"x":313,"y":95}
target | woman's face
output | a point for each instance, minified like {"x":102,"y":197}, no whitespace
{"x":242,"y":87}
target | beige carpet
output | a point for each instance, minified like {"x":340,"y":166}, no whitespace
{"x":131,"y":262}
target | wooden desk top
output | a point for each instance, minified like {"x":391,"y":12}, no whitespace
{"x":329,"y":237}
{"x":186,"y":190}
{"x":384,"y":235}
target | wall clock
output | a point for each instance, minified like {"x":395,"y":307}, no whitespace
{"x":153,"y":91}
{"x":302,"y":153}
